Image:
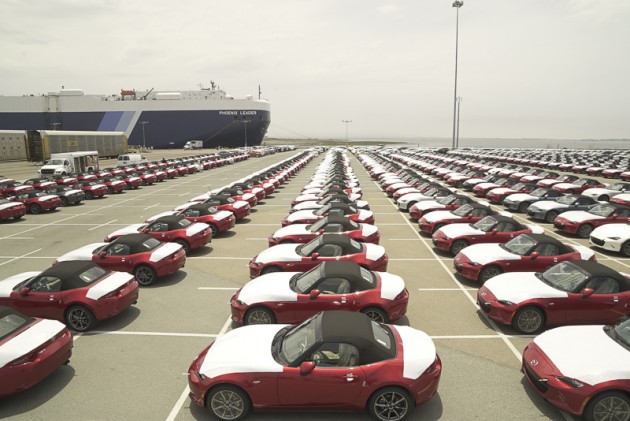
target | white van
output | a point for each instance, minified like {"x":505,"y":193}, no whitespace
{"x":129,"y":159}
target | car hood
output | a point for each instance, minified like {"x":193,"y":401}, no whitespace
{"x":457,"y":230}
{"x":243,"y":350}
{"x":4,"y":206}
{"x":500,"y":190}
{"x":435,"y":216}
{"x":521,"y":286}
{"x":566,"y":186}
{"x":83,"y":253}
{"x":596,"y":191}
{"x":418,"y":351}
{"x":520,"y":197}
{"x":585,"y":353}
{"x":486,"y":253}
{"x":7,"y":285}
{"x":536,"y":229}
{"x":110,"y":283}
{"x":413,"y":197}
{"x":429,"y":204}
{"x":545,"y":205}
{"x":612,"y":230}
{"x":579,"y":216}
{"x":272,"y":287}
{"x":281,"y":252}
{"x":391,"y":285}
{"x":36,"y":335}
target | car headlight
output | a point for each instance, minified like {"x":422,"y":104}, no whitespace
{"x":570,"y":381}
{"x":473,"y":263}
{"x":505,"y":302}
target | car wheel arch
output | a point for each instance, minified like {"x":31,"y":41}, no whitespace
{"x":400,"y":387}
{"x":229,"y":385}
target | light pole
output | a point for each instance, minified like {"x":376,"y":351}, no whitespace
{"x":456,"y":4}
{"x":459,"y":106}
{"x":347,"y":122}
{"x":144,"y":142}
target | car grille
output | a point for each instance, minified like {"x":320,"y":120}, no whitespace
{"x":435,"y":242}
{"x":536,"y":381}
{"x":597,"y":241}
{"x":484,"y":306}
{"x":48,"y":171}
{"x":459,"y":268}
{"x":559,"y":225}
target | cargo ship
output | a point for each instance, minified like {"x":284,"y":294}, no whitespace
{"x":152,"y":119}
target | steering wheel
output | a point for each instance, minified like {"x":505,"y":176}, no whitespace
{"x":319,"y":357}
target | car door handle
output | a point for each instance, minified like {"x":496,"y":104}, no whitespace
{"x":350,"y":377}
{"x":615,"y":299}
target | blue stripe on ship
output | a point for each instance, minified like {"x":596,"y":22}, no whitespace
{"x":115,"y":121}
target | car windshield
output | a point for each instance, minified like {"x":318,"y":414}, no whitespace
{"x":430,"y":192}
{"x":564,"y":276}
{"x":518,"y":186}
{"x":463,"y":210}
{"x":308,"y":248}
{"x":580,"y":182}
{"x":40,"y":194}
{"x":306,"y":280}
{"x":488,"y":178}
{"x":447,"y":200}
{"x":298,"y":340}
{"x":3,"y":201}
{"x":12,"y":322}
{"x":501,"y":181}
{"x":539,"y":192}
{"x":54,"y":162}
{"x":620,"y":333}
{"x":602,"y":210}
{"x":567,"y":200}
{"x":486,"y":224}
{"x":618,"y":186}
{"x":519,"y":245}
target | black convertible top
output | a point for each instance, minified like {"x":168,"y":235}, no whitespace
{"x":135,"y":242}
{"x":346,"y":223}
{"x":502,"y":218}
{"x":171,"y":220}
{"x":347,"y":270}
{"x":344,"y":241}
{"x":202,"y":208}
{"x":355,"y":328}
{"x":69,"y":273}
{"x":597,"y":269}
{"x":546,"y":239}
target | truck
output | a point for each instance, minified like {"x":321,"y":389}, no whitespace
{"x":194,"y":144}
{"x":61,"y":164}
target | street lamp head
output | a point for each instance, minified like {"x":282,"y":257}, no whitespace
{"x":458,"y":3}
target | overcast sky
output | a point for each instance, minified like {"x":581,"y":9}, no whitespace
{"x":533,"y":68}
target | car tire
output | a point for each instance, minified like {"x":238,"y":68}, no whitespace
{"x":270,"y":269}
{"x":287,"y":242}
{"x":625,"y":249}
{"x":184,"y":245}
{"x":528,"y":320}
{"x":570,"y":191}
{"x":64,"y":201}
{"x":606,"y":405}
{"x":551,"y":216}
{"x":228,"y":403}
{"x":585,"y":230}
{"x":437,"y":227}
{"x":410,"y":204}
{"x":80,"y":318}
{"x":110,"y":190}
{"x":145,"y":275}
{"x":214,"y":230}
{"x":457,"y":246}
{"x":18,"y":217}
{"x":89,"y":195}
{"x":488,"y":273}
{"x":259,"y":316}
{"x":390,"y":404}
{"x":604,"y":197}
{"x":376,"y":314}
{"x":35,"y":209}
{"x":522,"y":208}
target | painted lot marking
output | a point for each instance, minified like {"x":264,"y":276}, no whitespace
{"x":102,"y":225}
{"x":218,"y":289}
{"x":19,"y":257}
{"x":152,"y":206}
{"x":169,"y":334}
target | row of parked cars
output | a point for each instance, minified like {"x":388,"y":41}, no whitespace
{"x":39,"y":194}
{"x":530,"y":280}
{"x":96,"y":282}
{"x":325,"y":272}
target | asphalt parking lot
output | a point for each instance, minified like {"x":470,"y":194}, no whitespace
{"x":134,"y":365}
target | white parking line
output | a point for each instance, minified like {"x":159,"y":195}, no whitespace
{"x":152,"y":206}
{"x":102,"y":225}
{"x":218,"y":289}
{"x":184,"y":194}
{"x":184,"y":395}
{"x":17,"y":238}
{"x":256,"y":239}
{"x":446,"y":289}
{"x":218,"y":258}
{"x":19,"y":257}
{"x":122,"y":332}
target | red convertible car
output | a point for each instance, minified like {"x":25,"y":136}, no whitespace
{"x":526,"y":252}
{"x":292,"y":297}
{"x":10,"y":188}
{"x":174,"y":228}
{"x":583,"y":223}
{"x":447,"y":203}
{"x":453,"y":238}
{"x":338,"y":360}
{"x":577,"y":186}
{"x":578,"y":292}
{"x":239,"y":208}
{"x":310,"y":216}
{"x":144,"y":256}
{"x":30,"y":350}
{"x":582,"y":370}
{"x":91,"y":189}
{"x":79,"y":293}
{"x":10,"y":209}
{"x":469,"y":213}
{"x":37,"y":201}
{"x":302,"y":257}
{"x":303,"y":233}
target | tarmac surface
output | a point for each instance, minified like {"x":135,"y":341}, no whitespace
{"x":134,"y":365}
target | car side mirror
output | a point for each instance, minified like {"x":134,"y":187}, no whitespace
{"x":587,"y":292}
{"x":306,"y":367}
{"x":102,"y":254}
{"x":145,"y":230}
{"x":24,"y":291}
{"x":494,"y":231}
{"x":314,"y":256}
{"x":615,"y":216}
{"x":314,"y":294}
{"x":321,"y":231}
{"x":534,"y":255}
